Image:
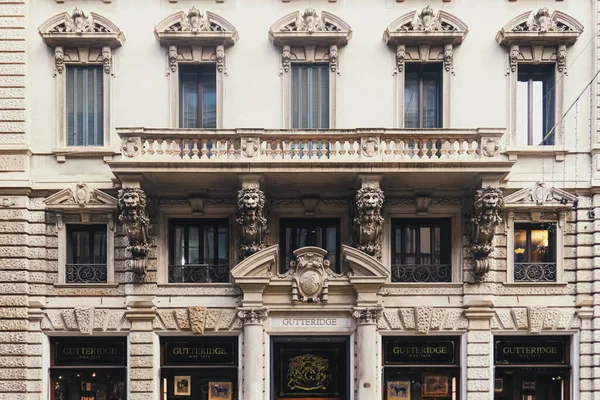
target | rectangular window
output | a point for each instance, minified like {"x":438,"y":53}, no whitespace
{"x":301,"y":232}
{"x":199,"y":251}
{"x":535,"y":253}
{"x":198,"y":96}
{"x":86,"y":254}
{"x":310,"y":96}
{"x":85,"y":106}
{"x":421,"y":250}
{"x":535,"y":105}
{"x":423,"y":96}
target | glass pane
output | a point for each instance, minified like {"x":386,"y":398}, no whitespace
{"x":209,"y":99}
{"x":549,"y":110}
{"x":89,"y":384}
{"x":209,"y":245}
{"x":82,"y":247}
{"x":520,"y":245}
{"x":295,"y":98}
{"x":331,"y":246}
{"x":431,"y":100}
{"x":79,"y":110}
{"x":223,"y":246}
{"x":410,"y":245}
{"x":397,"y":246}
{"x":437,"y":245}
{"x":537,"y":114}
{"x":194,"y":245}
{"x":522,"y":113}
{"x":100,"y":247}
{"x":425,"y":245}
{"x":539,"y":246}
{"x":302,"y":238}
{"x":189,"y":101}
{"x":411,"y":99}
{"x":179,"y":257}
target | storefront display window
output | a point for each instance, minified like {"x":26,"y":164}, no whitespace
{"x":531,"y":368}
{"x":199,"y":368}
{"x":421,"y":368}
{"x":88,"y":369}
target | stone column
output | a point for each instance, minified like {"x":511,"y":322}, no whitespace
{"x":254,"y":357}
{"x":141,"y":314}
{"x":480,"y":357}
{"x":366,"y":352}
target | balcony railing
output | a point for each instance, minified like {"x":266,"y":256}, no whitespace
{"x":198,"y":273}
{"x":350,"y":145}
{"x":535,"y":272}
{"x":86,"y":273}
{"x":413,"y":273}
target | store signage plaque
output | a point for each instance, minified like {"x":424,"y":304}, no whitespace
{"x":399,"y":352}
{"x":309,"y":322}
{"x":200,"y":352}
{"x":89,"y":353}
{"x":521,"y":352}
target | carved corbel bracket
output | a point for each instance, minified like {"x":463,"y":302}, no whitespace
{"x":486,"y":217}
{"x":449,"y":58}
{"x":172,"y":58}
{"x":59,"y":60}
{"x":220,"y":55}
{"x":107,"y":60}
{"x":513,"y":57}
{"x":333,"y":58}
{"x":134,"y":218}
{"x":369,"y":220}
{"x":286,"y":59}
{"x":400,"y":57}
{"x":252,"y":220}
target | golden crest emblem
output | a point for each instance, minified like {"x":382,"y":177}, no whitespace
{"x":308,"y":372}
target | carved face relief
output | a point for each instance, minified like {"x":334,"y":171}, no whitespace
{"x":490,"y":201}
{"x":250,"y":201}
{"x":131,"y":200}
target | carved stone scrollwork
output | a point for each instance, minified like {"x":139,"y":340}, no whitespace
{"x":369,"y":221}
{"x":106,"y":59}
{"x":490,"y":147}
{"x":252,"y":219}
{"x":194,"y":21}
{"x":561,"y":58}
{"x":310,"y":272}
{"x":541,"y":21}
{"x":78,"y":22}
{"x":488,"y":204}
{"x":131,"y":147}
{"x":308,"y":21}
{"x":514,"y":57}
{"x":286,"y":55}
{"x":400,"y":57}
{"x":253,"y":315}
{"x":220,"y":55}
{"x":370,"y":146}
{"x":367,"y":315}
{"x":426,"y":21}
{"x":333,"y":58}
{"x":133,"y":216}
{"x":59,"y":59}
{"x":173,"y":58}
{"x":250,"y":147}
{"x":448,"y":57}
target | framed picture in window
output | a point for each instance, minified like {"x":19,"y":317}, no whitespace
{"x":498,"y":385}
{"x":435,"y":385}
{"x":182,"y":386}
{"x":398,"y":390}
{"x":220,"y":391}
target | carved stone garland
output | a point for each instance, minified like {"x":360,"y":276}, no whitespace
{"x":310,"y":272}
{"x":133,"y":216}
{"x":252,"y":219}
{"x":487,"y":206}
{"x":369,"y":221}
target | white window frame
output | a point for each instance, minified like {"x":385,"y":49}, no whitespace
{"x":83,"y":206}
{"x":525,"y":43}
{"x":303,"y":45}
{"x":415,"y":43}
{"x":189,"y":44}
{"x":426,"y":208}
{"x":92,"y":45}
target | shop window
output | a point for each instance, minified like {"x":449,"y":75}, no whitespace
{"x":535,"y":104}
{"x":199,"y":369}
{"x":423,"y":96}
{"x":199,"y":251}
{"x":88,"y":369}
{"x":530,"y":368}
{"x":419,"y":369}
{"x":198,"y":96}
{"x":86,"y":254}
{"x":535,"y":252}
{"x":421,"y":250}
{"x":310,"y":96}
{"x":301,"y":232}
{"x":310,"y":368}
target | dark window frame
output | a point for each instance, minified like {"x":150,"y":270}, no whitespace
{"x":295,"y":93}
{"x":323,"y":223}
{"x":199,"y":70}
{"x":528,"y":73}
{"x":422,"y":68}
{"x":71,"y":119}
{"x":91,"y":229}
{"x":528,"y":227}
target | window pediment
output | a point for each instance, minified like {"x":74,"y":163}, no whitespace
{"x":309,"y":28}
{"x":425,"y":27}
{"x":79,"y":28}
{"x":195,"y":28}
{"x":79,"y":199}
{"x":540,"y":196}
{"x":540,"y":27}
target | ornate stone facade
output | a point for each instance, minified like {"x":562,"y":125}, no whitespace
{"x":486,"y":217}
{"x":135,"y":221}
{"x":369,"y":220}
{"x":252,"y":220}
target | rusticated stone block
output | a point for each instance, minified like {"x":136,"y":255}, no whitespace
{"x":14,"y":325}
{"x":182,"y":319}
{"x":70,"y":319}
{"x":536,"y":315}
{"x":168,"y":319}
{"x":392,"y":318}
{"x":408,"y":318}
{"x":437,"y":318}
{"x":115,"y":320}
{"x":550,"y":319}
{"x":423,"y":316}
{"x":141,"y":350}
{"x":212,"y":318}
{"x":84,"y":319}
{"x":520,"y":315}
{"x":227,"y":317}
{"x":100,"y":317}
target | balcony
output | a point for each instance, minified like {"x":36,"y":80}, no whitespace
{"x":156,"y":153}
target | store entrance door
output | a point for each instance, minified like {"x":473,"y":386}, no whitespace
{"x":531,"y":386}
{"x":310,"y":367}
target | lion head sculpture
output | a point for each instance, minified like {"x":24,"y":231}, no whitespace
{"x":133,"y":216}
{"x":251,"y":216}
{"x":368,"y":220}
{"x":487,"y":206}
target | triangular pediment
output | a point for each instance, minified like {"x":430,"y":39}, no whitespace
{"x":426,"y":26}
{"x":79,"y":27}
{"x":81,"y":197}
{"x":196,"y":27}
{"x":540,"y":195}
{"x":309,"y":27}
{"x":540,"y":26}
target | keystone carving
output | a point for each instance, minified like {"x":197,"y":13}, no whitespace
{"x":488,"y":204}
{"x":369,"y":221}
{"x":252,"y":219}
{"x":253,"y":315}
{"x":308,"y":21}
{"x":194,"y":21}
{"x":426,"y":21}
{"x":541,"y":21}
{"x":197,"y":318}
{"x":133,"y":216}
{"x":78,"y":22}
{"x":310,"y":272}
{"x":367,"y":315}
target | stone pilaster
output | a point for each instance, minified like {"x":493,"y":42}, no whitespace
{"x":141,"y":350}
{"x":253,"y":349}
{"x":366,"y":352}
{"x":595,"y":322}
{"x":480,"y":357}
{"x":586,"y":347}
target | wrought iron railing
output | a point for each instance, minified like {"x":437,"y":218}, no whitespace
{"x":199,"y":273}
{"x":86,"y":273}
{"x":422,"y":273}
{"x":535,"y":272}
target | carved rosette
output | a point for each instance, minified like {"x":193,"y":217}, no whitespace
{"x":487,"y":206}
{"x":135,"y":221}
{"x":367,"y":315}
{"x":369,"y":221}
{"x":252,"y":220}
{"x":310,"y":272}
{"x":253,"y":316}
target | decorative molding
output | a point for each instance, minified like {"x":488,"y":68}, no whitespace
{"x":197,"y":319}
{"x":81,"y":198}
{"x":252,"y":220}
{"x":367,"y":316}
{"x":133,"y":216}
{"x":310,"y":274}
{"x":423,"y":319}
{"x":369,"y":220}
{"x":85,"y":320}
{"x":195,"y":27}
{"x":253,"y":316}
{"x":59,"y":59}
{"x":487,"y":206}
{"x":535,"y":319}
{"x":308,"y":26}
{"x":540,"y":195}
